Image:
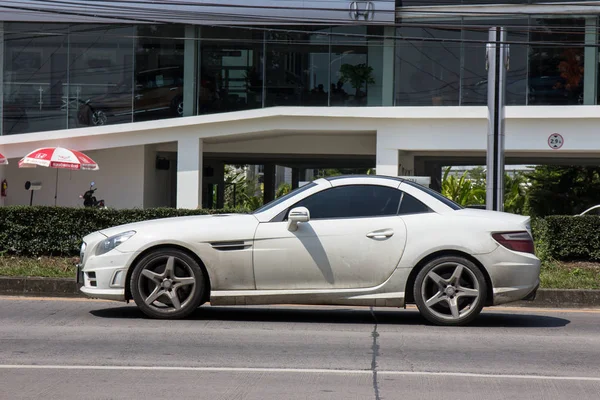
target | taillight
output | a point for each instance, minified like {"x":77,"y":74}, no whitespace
{"x":516,"y":241}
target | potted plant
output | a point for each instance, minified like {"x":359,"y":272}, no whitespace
{"x":357,"y":75}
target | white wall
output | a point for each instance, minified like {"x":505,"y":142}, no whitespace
{"x":119,"y":181}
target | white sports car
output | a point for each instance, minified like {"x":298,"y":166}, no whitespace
{"x":368,"y":240}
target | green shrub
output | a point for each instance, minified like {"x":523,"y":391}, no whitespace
{"x":568,"y":238}
{"x":57,"y":231}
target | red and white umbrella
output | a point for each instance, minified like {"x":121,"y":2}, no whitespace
{"x":3,"y":160}
{"x":58,"y":157}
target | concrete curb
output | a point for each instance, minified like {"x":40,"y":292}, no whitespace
{"x":563,"y":298}
{"x":31,"y":286}
{"x":63,"y":287}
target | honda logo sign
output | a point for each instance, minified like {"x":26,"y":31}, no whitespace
{"x":362,"y":10}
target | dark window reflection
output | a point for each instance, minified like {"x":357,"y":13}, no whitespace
{"x":35,"y":78}
{"x":100,"y":75}
{"x":556,"y":73}
{"x":158,"y":72}
{"x":474,"y":79}
{"x":297,"y":68}
{"x":356,"y":66}
{"x":231,"y":73}
{"x":428,"y":72}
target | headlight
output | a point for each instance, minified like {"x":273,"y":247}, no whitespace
{"x":108,"y":244}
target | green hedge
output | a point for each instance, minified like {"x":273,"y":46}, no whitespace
{"x":568,"y":238}
{"x":57,"y":231}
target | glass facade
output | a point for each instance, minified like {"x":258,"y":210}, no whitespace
{"x":58,"y":76}
{"x":445,"y":64}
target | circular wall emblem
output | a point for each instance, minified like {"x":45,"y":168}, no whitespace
{"x":555,"y":141}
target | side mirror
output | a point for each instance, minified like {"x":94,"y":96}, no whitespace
{"x":297,"y":215}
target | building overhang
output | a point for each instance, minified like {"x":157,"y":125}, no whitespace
{"x":408,"y":123}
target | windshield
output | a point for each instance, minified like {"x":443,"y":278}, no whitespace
{"x":281,"y":199}
{"x":437,"y":195}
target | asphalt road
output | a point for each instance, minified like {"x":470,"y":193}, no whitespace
{"x":81,"y":349}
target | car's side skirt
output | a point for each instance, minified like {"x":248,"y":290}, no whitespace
{"x":312,"y":297}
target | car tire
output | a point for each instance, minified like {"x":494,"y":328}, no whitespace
{"x":450,"y":291}
{"x":168,"y":284}
{"x":97,"y":118}
{"x":177,"y":106}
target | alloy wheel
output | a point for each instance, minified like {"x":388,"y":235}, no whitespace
{"x":167,"y":284}
{"x":99,"y":118}
{"x":451,"y":291}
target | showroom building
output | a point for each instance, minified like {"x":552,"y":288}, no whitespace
{"x":163,"y":95}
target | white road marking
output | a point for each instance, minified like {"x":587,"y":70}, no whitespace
{"x":297,"y":370}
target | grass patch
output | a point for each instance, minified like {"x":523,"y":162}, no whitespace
{"x":555,"y":274}
{"x":570,"y":275}
{"x":47,"y":267}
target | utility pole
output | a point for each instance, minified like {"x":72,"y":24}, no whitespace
{"x":497,"y":59}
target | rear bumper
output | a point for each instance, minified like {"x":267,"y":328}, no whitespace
{"x":515,"y":276}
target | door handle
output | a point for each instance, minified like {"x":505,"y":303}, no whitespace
{"x":382,"y":234}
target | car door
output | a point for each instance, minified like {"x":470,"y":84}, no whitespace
{"x":354,"y":239}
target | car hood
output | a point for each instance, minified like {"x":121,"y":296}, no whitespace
{"x":176,"y":225}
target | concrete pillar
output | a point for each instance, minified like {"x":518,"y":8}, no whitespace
{"x":386,"y":158}
{"x":269,"y":183}
{"x":189,"y":173}
{"x":295,"y":178}
{"x":190,"y":71}
{"x":590,"y":59}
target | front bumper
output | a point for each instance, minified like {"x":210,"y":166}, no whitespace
{"x":104,"y":277}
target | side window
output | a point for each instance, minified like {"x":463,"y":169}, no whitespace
{"x":353,"y":201}
{"x":410,"y":205}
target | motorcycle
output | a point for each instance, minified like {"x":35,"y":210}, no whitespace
{"x":89,"y":200}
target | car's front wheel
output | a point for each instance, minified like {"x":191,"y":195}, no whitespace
{"x":167,"y":284}
{"x":450,"y":291}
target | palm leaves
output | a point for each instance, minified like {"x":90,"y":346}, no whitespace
{"x":469,"y":189}
{"x":463,"y":190}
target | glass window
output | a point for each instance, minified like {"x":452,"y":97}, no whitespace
{"x":281,"y":199}
{"x":556,"y":73}
{"x":410,"y":205}
{"x":35,"y":77}
{"x":158,"y":72}
{"x":356,"y":66}
{"x":231,"y":72}
{"x":474,"y":80}
{"x":353,"y":201}
{"x":428,"y":72}
{"x":297,"y":67}
{"x":100,"y":75}
{"x":435,"y":194}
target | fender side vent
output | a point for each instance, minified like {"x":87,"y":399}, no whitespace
{"x":230,"y":246}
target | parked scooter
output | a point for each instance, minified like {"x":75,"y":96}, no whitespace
{"x":89,"y":200}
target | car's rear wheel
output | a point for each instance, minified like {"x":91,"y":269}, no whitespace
{"x":167,"y":284}
{"x":450,"y":291}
